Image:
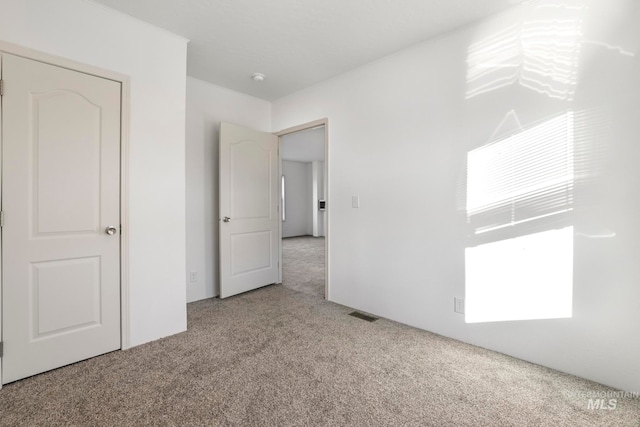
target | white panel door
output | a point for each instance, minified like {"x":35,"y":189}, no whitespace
{"x":60,"y":184}
{"x":249,"y":206}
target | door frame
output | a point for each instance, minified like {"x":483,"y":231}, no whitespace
{"x":13,"y":49}
{"x":287,"y":131}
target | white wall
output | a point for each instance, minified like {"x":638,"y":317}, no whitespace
{"x":305,"y":145}
{"x":399,"y":131}
{"x":207,"y":106}
{"x":156,"y":63}
{"x":298,"y":199}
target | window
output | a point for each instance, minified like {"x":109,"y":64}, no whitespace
{"x":282,"y":198}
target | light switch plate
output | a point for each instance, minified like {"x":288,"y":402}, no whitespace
{"x":355,"y":201}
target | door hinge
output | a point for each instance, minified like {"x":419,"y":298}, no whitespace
{"x":1,"y":87}
{"x":1,"y":219}
{"x":1,"y":349}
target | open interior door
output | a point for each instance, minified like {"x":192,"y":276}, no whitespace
{"x":249,"y":209}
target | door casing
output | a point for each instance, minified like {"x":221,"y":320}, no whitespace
{"x":5,"y":47}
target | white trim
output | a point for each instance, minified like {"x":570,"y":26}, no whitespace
{"x":125,"y":333}
{"x":304,"y":126}
{"x":125,"y":311}
{"x":320,"y":122}
{"x":1,"y":231}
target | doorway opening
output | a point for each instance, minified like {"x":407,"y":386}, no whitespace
{"x":304,"y":208}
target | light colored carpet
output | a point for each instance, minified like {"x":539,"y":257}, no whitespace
{"x":303,"y":264}
{"x":275,"y":357}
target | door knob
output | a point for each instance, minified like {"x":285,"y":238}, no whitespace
{"x":111,"y":230}
{"x":226,"y":219}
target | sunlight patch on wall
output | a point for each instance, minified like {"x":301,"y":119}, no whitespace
{"x":541,"y":53}
{"x":524,"y":278}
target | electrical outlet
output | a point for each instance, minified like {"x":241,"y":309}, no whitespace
{"x":193,"y":276}
{"x":458,"y":305}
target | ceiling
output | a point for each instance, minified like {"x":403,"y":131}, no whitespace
{"x":297,"y":43}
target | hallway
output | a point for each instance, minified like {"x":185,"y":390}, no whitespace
{"x":303,"y":264}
